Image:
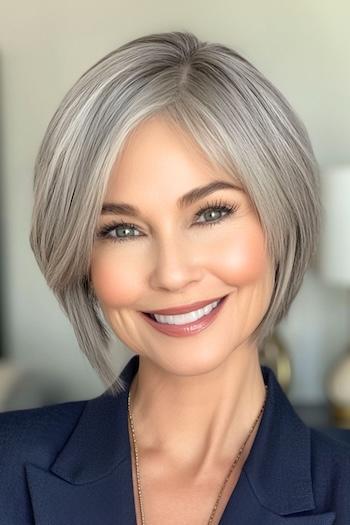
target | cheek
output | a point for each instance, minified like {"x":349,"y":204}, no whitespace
{"x":112,"y":280}
{"x":242,"y":257}
{"x":242,"y":260}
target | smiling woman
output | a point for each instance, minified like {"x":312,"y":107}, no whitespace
{"x":200,"y":242}
{"x":221,"y":109}
{"x":176,"y":208}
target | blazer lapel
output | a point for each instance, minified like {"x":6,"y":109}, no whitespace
{"x":90,"y":481}
{"x":275,"y":486}
{"x":245,"y":508}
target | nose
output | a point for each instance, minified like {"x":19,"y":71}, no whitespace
{"x":176,"y":265}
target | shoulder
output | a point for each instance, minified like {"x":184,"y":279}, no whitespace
{"x":334,"y":452}
{"x":36,"y":433}
{"x":330,"y":463}
{"x":36,"y":436}
{"x":40,"y":429}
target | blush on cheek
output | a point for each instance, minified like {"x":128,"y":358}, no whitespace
{"x":115,"y":285}
{"x":243,"y":259}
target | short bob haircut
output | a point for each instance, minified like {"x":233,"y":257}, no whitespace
{"x":241,"y":122}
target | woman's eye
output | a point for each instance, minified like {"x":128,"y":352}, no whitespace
{"x":212,"y":213}
{"x":120,"y":231}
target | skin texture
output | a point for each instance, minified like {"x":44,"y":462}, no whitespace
{"x":196,"y":397}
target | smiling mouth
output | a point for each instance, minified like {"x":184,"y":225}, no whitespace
{"x":178,"y":310}
{"x":218,"y":302}
{"x":187,"y":324}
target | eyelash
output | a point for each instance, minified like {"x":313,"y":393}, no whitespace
{"x":219,"y":205}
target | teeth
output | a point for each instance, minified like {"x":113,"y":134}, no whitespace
{"x":186,"y":318}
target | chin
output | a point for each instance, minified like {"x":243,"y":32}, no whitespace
{"x":187,"y":363}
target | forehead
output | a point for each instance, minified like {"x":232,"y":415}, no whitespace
{"x":161,"y":157}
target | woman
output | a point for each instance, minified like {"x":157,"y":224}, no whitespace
{"x":176,"y":206}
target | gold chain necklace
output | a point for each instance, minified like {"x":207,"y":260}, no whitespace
{"x":136,"y":457}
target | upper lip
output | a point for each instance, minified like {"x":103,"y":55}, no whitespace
{"x":185,"y":308}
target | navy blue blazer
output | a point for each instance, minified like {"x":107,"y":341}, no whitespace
{"x":70,"y":464}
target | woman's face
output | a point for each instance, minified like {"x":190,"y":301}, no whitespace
{"x":170,"y":255}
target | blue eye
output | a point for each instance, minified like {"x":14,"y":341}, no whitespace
{"x":116,"y":227}
{"x":222,"y":208}
{"x":215,"y":208}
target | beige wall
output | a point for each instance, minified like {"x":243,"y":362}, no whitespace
{"x":301,"y":45}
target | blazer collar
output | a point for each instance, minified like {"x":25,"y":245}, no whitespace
{"x":93,"y":470}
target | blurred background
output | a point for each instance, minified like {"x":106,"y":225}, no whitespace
{"x":303,"y":47}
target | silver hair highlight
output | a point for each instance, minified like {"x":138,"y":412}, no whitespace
{"x":237,"y":117}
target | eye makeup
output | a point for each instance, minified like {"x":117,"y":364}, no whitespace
{"x":226,"y":210}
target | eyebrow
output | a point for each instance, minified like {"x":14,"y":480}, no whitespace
{"x":121,"y":208}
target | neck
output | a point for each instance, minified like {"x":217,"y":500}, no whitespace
{"x":198,"y":421}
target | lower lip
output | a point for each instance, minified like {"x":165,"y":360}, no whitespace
{"x":189,"y":328}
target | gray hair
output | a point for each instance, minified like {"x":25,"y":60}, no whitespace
{"x":239,"y":119}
